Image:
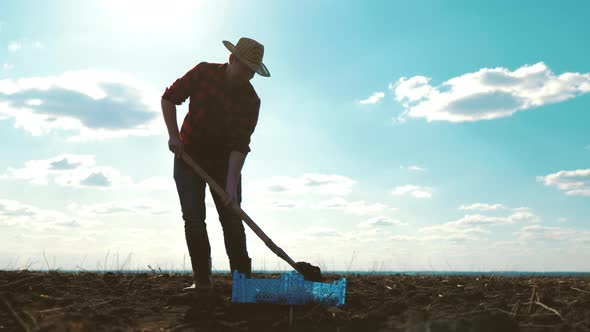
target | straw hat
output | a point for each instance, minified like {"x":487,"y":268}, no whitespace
{"x":250,"y":53}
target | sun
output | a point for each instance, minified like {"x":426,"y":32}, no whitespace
{"x":151,"y":17}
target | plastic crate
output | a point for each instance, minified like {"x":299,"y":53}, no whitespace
{"x":290,"y":289}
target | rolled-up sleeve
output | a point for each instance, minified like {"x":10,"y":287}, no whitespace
{"x":243,"y":127}
{"x":181,"y":89}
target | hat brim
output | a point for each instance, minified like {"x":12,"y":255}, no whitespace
{"x":258,"y":69}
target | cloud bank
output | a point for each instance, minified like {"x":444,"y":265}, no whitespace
{"x":373,"y":99}
{"x":69,"y":170}
{"x":489,"y":93}
{"x":86,"y":104}
{"x":412,"y":190}
{"x":573,"y":183}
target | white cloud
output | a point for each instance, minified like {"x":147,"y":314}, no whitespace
{"x":287,"y":204}
{"x":320,"y":232}
{"x":487,"y":94}
{"x":19,"y":45}
{"x":403,"y":238}
{"x":326,"y":184}
{"x":17,"y":214}
{"x":482,"y":207}
{"x":523,"y":216}
{"x":452,"y":228}
{"x":446,"y":237}
{"x":464,"y":236}
{"x":474,"y":219}
{"x":354,"y":207}
{"x":562,"y":219}
{"x":413,"y":168}
{"x":539,"y":233}
{"x":148,"y":207}
{"x":90,"y":104}
{"x":414,"y":191}
{"x":412,"y":89}
{"x":70,"y":171}
{"x":359,"y":207}
{"x":158,"y":183}
{"x":14,"y":47}
{"x":312,"y":191}
{"x":473,"y":223}
{"x":574,"y":183}
{"x":365,"y":234}
{"x":373,"y":99}
{"x":380,"y":221}
{"x":478,"y":219}
{"x":7,"y":66}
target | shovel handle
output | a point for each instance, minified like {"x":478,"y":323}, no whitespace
{"x":238,"y":210}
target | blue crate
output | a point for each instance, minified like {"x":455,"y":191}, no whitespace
{"x":290,"y":289}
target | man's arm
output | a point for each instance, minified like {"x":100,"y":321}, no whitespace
{"x":169,"y":113}
{"x":235,"y":164}
{"x":243,"y":127}
{"x":174,"y":95}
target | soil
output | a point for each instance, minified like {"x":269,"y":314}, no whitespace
{"x":56,"y":301}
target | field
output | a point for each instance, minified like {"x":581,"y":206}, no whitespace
{"x":56,"y":301}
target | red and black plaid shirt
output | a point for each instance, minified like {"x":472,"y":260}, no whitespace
{"x":220,"y":118}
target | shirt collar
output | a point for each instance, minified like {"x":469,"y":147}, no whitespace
{"x":220,"y":72}
{"x":220,"y":76}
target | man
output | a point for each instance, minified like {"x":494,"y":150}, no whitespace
{"x":223,"y":113}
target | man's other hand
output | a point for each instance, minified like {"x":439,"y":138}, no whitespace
{"x":175,"y":145}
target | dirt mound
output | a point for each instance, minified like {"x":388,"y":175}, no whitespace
{"x":154,"y":302}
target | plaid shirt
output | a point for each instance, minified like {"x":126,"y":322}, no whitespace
{"x":220,"y":118}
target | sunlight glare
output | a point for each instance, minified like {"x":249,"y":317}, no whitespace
{"x":153,"y":17}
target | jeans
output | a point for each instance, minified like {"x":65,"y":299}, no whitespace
{"x":191,"y":191}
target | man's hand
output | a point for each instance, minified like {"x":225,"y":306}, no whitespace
{"x":175,"y":145}
{"x":231,"y":195}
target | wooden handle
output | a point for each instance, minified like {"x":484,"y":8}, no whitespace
{"x":238,"y":210}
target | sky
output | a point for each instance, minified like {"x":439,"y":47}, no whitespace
{"x":392,"y":136}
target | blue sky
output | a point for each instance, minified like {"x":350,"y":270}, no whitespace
{"x":392,"y":135}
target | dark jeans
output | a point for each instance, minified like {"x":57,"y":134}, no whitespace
{"x":191,"y":191}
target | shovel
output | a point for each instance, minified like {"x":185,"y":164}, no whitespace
{"x":309,"y":272}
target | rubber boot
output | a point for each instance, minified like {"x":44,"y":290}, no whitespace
{"x":247,"y":268}
{"x":202,"y":278}
{"x":243,"y":266}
